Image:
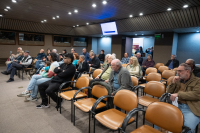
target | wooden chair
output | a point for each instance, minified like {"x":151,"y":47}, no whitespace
{"x":152,"y":77}
{"x":166,"y":74}
{"x":162,"y":68}
{"x":158,"y":65}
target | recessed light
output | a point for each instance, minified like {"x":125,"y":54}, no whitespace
{"x":1,"y":15}
{"x":185,"y":6}
{"x":87,"y":23}
{"x":104,"y":2}
{"x":53,"y":18}
{"x":69,"y":13}
{"x":94,"y":5}
{"x":73,"y":26}
{"x":130,"y":16}
{"x":169,"y":9}
{"x":77,"y":25}
{"x":8,"y":7}
{"x":75,"y":11}
{"x":6,"y":10}
{"x":42,"y":21}
{"x":136,"y":34}
{"x":197,"y":31}
{"x":57,"y":16}
{"x":14,"y":1}
{"x":45,"y":20}
{"x":141,"y":14}
{"x":142,"y":34}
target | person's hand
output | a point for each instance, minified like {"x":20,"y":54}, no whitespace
{"x":58,"y":67}
{"x":97,"y":77}
{"x":89,"y":64}
{"x":15,"y":60}
{"x":128,"y":64}
{"x":41,"y":70}
{"x":12,"y":54}
{"x":88,"y":61}
{"x":173,"y":96}
{"x":106,"y":81}
{"x":63,"y":70}
{"x":176,"y":79}
{"x":111,"y":94}
{"x":20,"y":62}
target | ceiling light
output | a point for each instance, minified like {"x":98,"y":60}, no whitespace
{"x":141,"y":14}
{"x":14,"y":1}
{"x":94,"y":5}
{"x":45,"y":20}
{"x":87,"y":23}
{"x":69,"y":13}
{"x":8,"y":7}
{"x":75,"y":11}
{"x":104,"y":2}
{"x":130,"y":16}
{"x":185,"y":6}
{"x":136,"y":34}
{"x":57,"y":16}
{"x":73,"y":26}
{"x":53,"y":18}
{"x":142,"y":34}
{"x":77,"y":25}
{"x":169,"y":9}
{"x":1,"y":15}
{"x":5,"y":9}
{"x":197,"y":31}
{"x":42,"y":21}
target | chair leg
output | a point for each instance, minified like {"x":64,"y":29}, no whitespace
{"x":137,"y":120}
{"x":49,"y":99}
{"x":143,"y":118}
{"x":89,"y":123}
{"x":74,"y":115}
{"x":71,"y":111}
{"x":22,"y":74}
{"x":94,"y":124}
{"x":118,"y":130}
{"x":196,"y":130}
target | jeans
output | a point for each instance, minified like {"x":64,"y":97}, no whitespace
{"x":12,"y":69}
{"x":37,"y":63}
{"x":33,"y":84}
{"x":190,"y":120}
{"x":9,"y":65}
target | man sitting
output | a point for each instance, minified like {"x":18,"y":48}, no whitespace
{"x":64,"y":73}
{"x":95,"y":62}
{"x":24,"y":63}
{"x":125,"y":59}
{"x":39,"y":58}
{"x":186,"y":87}
{"x":140,"y":59}
{"x":13,"y":56}
{"x":194,"y":69}
{"x":173,"y":63}
{"x":82,"y":66}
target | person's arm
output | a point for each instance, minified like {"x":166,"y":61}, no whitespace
{"x":152,"y":63}
{"x":27,"y":63}
{"x":96,"y":64}
{"x":177,"y":63}
{"x":65,"y":73}
{"x":84,"y":67}
{"x":136,"y":72}
{"x":167,"y":64}
{"x":58,"y":69}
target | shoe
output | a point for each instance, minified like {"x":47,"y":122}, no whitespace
{"x":10,"y":80}
{"x":27,"y":99}
{"x":29,"y":77}
{"x":42,"y":106}
{"x":24,"y":94}
{"x":5,"y":73}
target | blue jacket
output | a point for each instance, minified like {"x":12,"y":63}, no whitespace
{"x":87,"y":57}
{"x":40,"y":56}
{"x":19,"y":58}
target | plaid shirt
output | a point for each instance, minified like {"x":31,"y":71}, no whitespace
{"x":125,"y":60}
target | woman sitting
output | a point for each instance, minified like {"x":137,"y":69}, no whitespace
{"x":147,"y":63}
{"x":105,"y":62}
{"x":134,"y":67}
{"x":82,"y":66}
{"x":76,"y":58}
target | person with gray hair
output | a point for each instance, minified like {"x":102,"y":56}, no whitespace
{"x":55,"y":51}
{"x":147,"y":63}
{"x":186,"y":87}
{"x":105,"y":61}
{"x":82,"y":66}
{"x":86,"y":54}
{"x":173,"y":63}
{"x":195,"y":70}
{"x":13,"y":56}
{"x":140,"y":59}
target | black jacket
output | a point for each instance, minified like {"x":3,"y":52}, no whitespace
{"x":175,"y":63}
{"x":95,"y":63}
{"x":140,"y":60}
{"x":196,"y":71}
{"x":65,"y":73}
{"x":85,"y":67}
{"x":101,"y":57}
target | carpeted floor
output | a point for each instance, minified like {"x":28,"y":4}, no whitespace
{"x":17,"y":116}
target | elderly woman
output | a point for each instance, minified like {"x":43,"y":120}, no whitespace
{"x":147,"y":63}
{"x":134,"y":67}
{"x":82,"y":66}
{"x":105,"y":62}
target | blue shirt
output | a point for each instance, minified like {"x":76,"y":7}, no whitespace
{"x":87,"y":57}
{"x":75,"y":62}
{"x":171,"y":65}
{"x":125,"y":60}
{"x":115,"y":81}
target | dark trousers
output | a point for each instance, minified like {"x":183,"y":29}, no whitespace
{"x":48,"y":88}
{"x":12,"y":69}
{"x":143,"y":70}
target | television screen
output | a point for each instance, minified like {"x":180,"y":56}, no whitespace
{"x":109,"y":28}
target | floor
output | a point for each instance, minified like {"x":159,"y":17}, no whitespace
{"x":17,"y":116}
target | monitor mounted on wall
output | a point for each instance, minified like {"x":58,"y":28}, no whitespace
{"x":109,"y":28}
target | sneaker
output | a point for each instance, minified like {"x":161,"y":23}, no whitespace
{"x":29,"y":77}
{"x":27,"y":99}
{"x":24,"y":94}
{"x":42,"y":106}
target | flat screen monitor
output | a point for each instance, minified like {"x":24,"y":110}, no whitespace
{"x":109,"y":28}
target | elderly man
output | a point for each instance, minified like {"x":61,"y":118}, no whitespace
{"x":186,"y":87}
{"x":13,"y":56}
{"x":94,"y":63}
{"x":125,"y":59}
{"x":86,"y":54}
{"x":140,"y":59}
{"x":194,"y":69}
{"x":173,"y":63}
{"x":55,"y":51}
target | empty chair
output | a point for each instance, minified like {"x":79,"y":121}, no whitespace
{"x":166,"y":74}
{"x":150,"y":70}
{"x":152,"y":77}
{"x":162,"y":68}
{"x":158,"y":65}
{"x":134,"y":80}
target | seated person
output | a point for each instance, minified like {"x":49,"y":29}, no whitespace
{"x":82,"y":66}
{"x":104,"y":76}
{"x":60,"y":57}
{"x":173,"y":63}
{"x":105,"y":62}
{"x":64,"y":73}
{"x":76,"y":58}
{"x":39,"y":58}
{"x":86,"y":54}
{"x":13,"y":56}
{"x":101,"y":57}
{"x":195,"y":70}
{"x":186,"y":87}
{"x":125,"y":59}
{"x":140,"y":59}
{"x":147,"y":63}
{"x":24,"y":63}
{"x":133,"y":67}
{"x":94,"y":63}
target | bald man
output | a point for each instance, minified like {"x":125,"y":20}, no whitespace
{"x":194,"y":69}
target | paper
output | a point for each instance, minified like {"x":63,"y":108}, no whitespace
{"x":175,"y":102}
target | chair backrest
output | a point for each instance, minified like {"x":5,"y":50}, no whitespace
{"x":150,"y":70}
{"x":153,"y":77}
{"x":96,"y":73}
{"x":162,"y":68}
{"x":82,"y":82}
{"x":124,"y":65}
{"x":168,"y":73}
{"x":154,"y":88}
{"x":72,"y":80}
{"x":123,"y":98}
{"x":158,"y":65}
{"x":99,"y":91}
{"x":166,"y":116}
{"x":134,"y":80}
{"x":170,"y":79}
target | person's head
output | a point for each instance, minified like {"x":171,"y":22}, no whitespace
{"x":116,"y":64}
{"x":140,"y":48}
{"x":52,"y":57}
{"x":84,"y":50}
{"x":76,"y":56}
{"x":133,"y":61}
{"x":91,"y":54}
{"x":41,"y":50}
{"x":72,"y":50}
{"x":102,"y":51}
{"x":64,"y":51}
{"x":138,"y":55}
{"x":48,"y":50}
{"x":19,"y":49}
{"x":173,"y":57}
{"x":54,"y":51}
{"x":26,"y":53}
{"x":106,"y":57}
{"x":184,"y":71}
{"x":126,"y":55}
{"x":60,"y":56}
{"x":47,"y":63}
{"x":81,"y":58}
{"x":114,"y":54}
{"x":190,"y":62}
{"x":151,"y":47}
{"x":110,"y":58}
{"x":68,"y":58}
{"x":21,"y":53}
{"x":149,"y":57}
